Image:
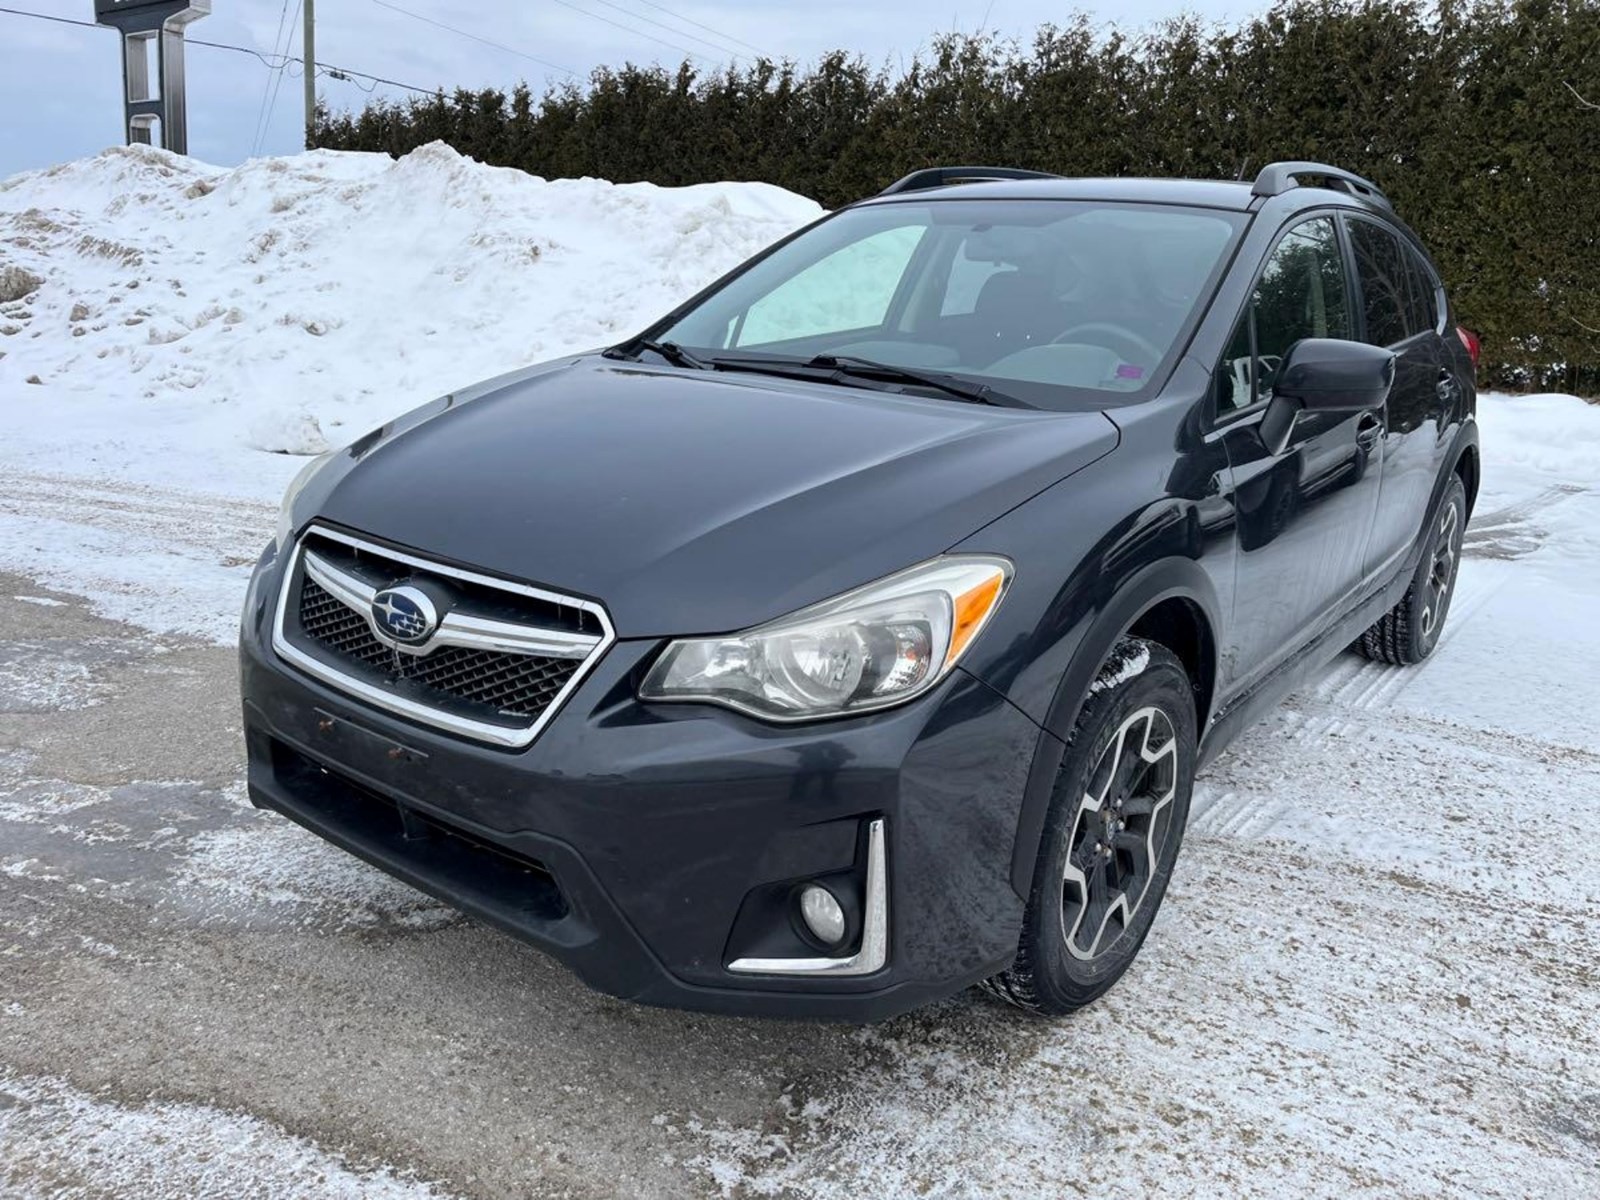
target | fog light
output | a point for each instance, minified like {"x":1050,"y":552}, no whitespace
{"x":822,"y":914}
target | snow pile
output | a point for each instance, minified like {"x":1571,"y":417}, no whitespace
{"x":172,"y":324}
{"x":1541,"y":461}
{"x":291,"y":304}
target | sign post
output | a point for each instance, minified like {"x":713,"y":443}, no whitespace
{"x":153,"y":99}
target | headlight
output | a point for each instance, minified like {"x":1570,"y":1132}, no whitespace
{"x":285,"y":532}
{"x":876,"y":646}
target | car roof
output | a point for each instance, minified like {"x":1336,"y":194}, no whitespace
{"x":1190,"y":193}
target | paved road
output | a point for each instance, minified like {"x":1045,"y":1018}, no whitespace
{"x":160,"y":937}
{"x":1376,"y":970}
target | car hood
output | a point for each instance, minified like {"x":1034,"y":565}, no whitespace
{"x":691,"y":502}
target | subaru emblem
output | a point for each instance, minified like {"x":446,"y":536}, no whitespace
{"x":405,"y":614}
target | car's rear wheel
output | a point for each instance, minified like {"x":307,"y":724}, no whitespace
{"x":1409,"y":631}
{"x":1112,"y":834}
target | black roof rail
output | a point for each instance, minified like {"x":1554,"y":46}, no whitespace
{"x":1277,"y":178}
{"x":937,"y":177}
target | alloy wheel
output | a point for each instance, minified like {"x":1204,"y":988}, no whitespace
{"x":1442,"y":574}
{"x":1116,"y":840}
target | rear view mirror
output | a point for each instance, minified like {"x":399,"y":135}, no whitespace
{"x":1325,"y":375}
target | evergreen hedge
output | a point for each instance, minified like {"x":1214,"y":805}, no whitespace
{"x":1481,"y":121}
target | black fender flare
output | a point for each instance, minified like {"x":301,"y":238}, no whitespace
{"x":1462,"y":444}
{"x":1465,"y":443}
{"x":1164,"y":579}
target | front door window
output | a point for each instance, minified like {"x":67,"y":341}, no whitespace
{"x":1301,"y":294}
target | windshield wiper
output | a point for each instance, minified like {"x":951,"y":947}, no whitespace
{"x":671,"y":351}
{"x":838,"y":367}
{"x":976,"y":393}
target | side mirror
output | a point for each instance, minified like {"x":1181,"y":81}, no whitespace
{"x":1325,"y":375}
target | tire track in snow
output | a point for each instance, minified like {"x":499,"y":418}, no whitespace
{"x":92,"y":1145}
{"x":1348,"y":695}
{"x":178,"y":516}
{"x":1507,"y":533}
{"x":1354,"y":702}
{"x":1353,"y":685}
{"x":1295,"y":1027}
{"x":167,"y":558}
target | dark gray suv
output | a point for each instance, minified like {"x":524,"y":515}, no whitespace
{"x":854,"y":634}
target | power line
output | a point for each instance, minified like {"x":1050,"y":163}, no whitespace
{"x":47,"y":17}
{"x":350,"y":73}
{"x":463,"y":33}
{"x":277,"y":84}
{"x":331,"y":69}
{"x":261,"y":109}
{"x":727,"y":37}
{"x":629,"y":29}
{"x":334,"y":73}
{"x":660,"y":25}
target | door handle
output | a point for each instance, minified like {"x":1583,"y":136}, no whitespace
{"x":1368,"y":430}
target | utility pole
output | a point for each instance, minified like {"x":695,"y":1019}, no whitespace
{"x":309,"y":40}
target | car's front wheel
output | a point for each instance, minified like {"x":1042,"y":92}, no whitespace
{"x":1112,"y":834}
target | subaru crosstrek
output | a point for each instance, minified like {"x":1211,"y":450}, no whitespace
{"x":853,"y":634}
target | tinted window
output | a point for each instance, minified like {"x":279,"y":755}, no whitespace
{"x":1385,"y":289}
{"x":1301,"y":294}
{"x":1424,"y":293}
{"x":1046,"y":298}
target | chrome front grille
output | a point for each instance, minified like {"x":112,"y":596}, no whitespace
{"x":519,"y":685}
{"x":502,"y":660}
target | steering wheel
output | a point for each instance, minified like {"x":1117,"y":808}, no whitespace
{"x":1114,"y":338}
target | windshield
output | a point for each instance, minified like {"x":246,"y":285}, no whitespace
{"x":1054,"y":301}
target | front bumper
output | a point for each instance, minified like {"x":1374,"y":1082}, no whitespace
{"x":647,"y":847}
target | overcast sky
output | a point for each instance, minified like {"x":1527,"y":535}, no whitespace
{"x":60,"y":85}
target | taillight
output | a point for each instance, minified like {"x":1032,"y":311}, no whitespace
{"x":1470,"y":341}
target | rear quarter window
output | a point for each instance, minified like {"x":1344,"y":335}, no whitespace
{"x":1425,"y":291}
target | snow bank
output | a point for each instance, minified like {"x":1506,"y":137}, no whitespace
{"x":1542,"y":435}
{"x":176,"y":332}
{"x":292,"y":303}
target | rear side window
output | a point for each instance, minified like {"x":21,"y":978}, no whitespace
{"x":1424,"y":292}
{"x":1301,"y":294}
{"x":1386,"y":294}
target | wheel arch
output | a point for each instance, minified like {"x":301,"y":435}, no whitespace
{"x":1170,"y":601}
{"x":1179,"y":624}
{"x":1467,"y":467}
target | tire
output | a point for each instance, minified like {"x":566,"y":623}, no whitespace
{"x":1130,"y":759}
{"x":1408,"y":632}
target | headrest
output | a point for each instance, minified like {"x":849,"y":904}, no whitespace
{"x":1013,"y":295}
